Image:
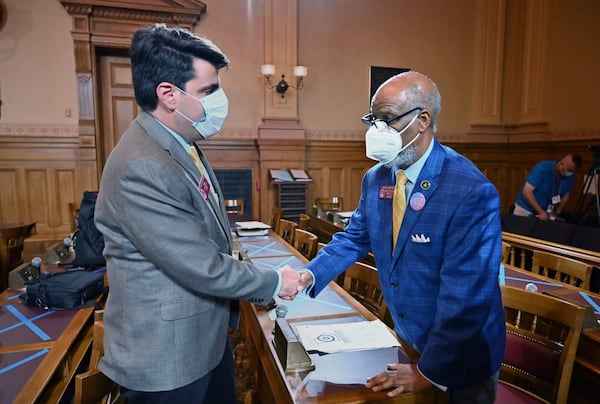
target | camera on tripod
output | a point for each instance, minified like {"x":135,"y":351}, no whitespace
{"x":590,"y":194}
{"x":596,"y":155}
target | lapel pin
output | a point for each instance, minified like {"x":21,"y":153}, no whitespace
{"x":425,"y":185}
{"x":417,"y":201}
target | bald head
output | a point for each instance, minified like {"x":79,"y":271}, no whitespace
{"x":405,"y":91}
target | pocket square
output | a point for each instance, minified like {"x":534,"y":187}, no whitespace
{"x":420,"y":238}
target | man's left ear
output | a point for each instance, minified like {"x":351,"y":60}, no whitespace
{"x":166,"y":94}
{"x":424,"y":120}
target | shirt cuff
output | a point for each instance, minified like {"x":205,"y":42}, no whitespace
{"x":306,"y":291}
{"x":279,"y":282}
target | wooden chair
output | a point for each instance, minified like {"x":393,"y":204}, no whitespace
{"x":303,"y":221}
{"x":362,"y":282}
{"x":12,"y":241}
{"x":286,"y":230}
{"x":541,"y":342}
{"x":506,"y":253}
{"x":93,"y":386}
{"x":563,"y":269}
{"x":276,"y":214}
{"x":330,"y":203}
{"x":305,"y":242}
{"x":235,"y":206}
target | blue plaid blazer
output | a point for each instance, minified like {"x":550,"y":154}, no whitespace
{"x":441,"y":281}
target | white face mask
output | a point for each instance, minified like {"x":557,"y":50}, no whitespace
{"x":384,"y":143}
{"x":567,"y":173}
{"x":216,"y":108}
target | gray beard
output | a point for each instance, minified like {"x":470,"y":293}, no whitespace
{"x":404,"y":159}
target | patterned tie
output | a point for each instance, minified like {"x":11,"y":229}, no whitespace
{"x":399,"y":204}
{"x":205,"y":184}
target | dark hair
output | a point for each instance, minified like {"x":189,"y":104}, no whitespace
{"x":576,"y":160}
{"x":160,"y":53}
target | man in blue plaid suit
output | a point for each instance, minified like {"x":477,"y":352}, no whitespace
{"x":440,"y":281}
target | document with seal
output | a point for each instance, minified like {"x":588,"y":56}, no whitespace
{"x":340,"y":337}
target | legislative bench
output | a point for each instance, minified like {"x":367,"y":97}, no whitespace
{"x":329,"y":378}
{"x":41,"y":351}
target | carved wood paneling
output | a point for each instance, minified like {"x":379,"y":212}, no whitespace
{"x":38,"y":185}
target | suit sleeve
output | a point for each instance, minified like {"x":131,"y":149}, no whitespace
{"x":159,"y":216}
{"x":345,"y":248}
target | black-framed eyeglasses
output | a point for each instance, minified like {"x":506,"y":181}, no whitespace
{"x":370,"y":120}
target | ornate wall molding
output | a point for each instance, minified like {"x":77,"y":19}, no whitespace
{"x":41,"y":130}
{"x":336,"y":135}
{"x":182,"y":12}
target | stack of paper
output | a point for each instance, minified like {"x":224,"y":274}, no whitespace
{"x":252,"y":228}
{"x":300,"y":175}
{"x":330,"y":338}
{"x":281,"y":176}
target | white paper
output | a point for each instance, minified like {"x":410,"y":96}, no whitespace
{"x":252,"y":225}
{"x":252,"y":232}
{"x":341,"y":337}
{"x":357,"y":366}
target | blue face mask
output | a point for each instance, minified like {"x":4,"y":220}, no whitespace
{"x":567,"y":173}
{"x":216,"y":108}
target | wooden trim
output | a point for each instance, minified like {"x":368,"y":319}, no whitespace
{"x":517,"y":240}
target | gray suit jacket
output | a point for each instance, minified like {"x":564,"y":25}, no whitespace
{"x":174,"y":286}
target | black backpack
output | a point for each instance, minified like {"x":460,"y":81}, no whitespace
{"x":88,"y":242}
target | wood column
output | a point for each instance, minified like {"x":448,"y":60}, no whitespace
{"x":281,"y":136}
{"x":508,"y":94}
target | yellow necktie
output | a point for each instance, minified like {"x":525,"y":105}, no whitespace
{"x":399,"y":204}
{"x":196,"y":157}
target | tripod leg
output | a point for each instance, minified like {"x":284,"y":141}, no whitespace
{"x":580,"y":207}
{"x":597,"y":196}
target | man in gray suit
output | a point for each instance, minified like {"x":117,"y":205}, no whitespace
{"x":174,"y":286}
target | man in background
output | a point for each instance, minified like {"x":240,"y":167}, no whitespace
{"x":546,"y":190}
{"x":174,"y":285}
{"x":432,"y":221}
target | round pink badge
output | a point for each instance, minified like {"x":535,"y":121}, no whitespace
{"x":417,"y":201}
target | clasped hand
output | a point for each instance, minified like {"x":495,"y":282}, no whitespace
{"x":293,"y":282}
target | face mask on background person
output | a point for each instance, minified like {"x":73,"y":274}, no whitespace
{"x":384,"y":143}
{"x":566,"y":173}
{"x":216,"y":108}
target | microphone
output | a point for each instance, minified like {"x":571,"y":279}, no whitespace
{"x":281,"y":311}
{"x":36,"y":270}
{"x":36,"y":263}
{"x":531,"y":287}
{"x":67,"y":243}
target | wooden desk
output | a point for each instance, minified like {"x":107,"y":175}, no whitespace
{"x":40,"y":351}
{"x":274,"y":385}
{"x":323,"y":228}
{"x":588,"y":351}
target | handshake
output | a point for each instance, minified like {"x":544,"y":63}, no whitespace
{"x":293,"y":282}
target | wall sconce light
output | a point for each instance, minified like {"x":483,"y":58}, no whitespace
{"x":269,"y":70}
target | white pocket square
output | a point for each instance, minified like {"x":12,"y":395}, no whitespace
{"x":416,"y":238}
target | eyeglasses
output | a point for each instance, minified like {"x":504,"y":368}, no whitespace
{"x":370,"y":120}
